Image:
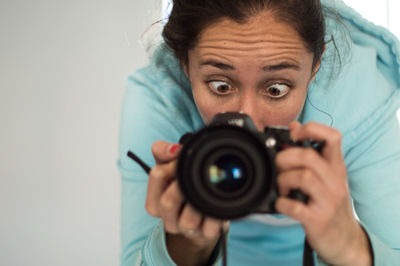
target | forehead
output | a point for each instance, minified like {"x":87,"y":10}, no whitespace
{"x":262,"y":37}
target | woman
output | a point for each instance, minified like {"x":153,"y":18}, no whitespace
{"x":273,"y":61}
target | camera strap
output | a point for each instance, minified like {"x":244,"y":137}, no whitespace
{"x":308,"y":257}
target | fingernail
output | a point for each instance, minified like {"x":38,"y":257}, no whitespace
{"x":292,"y":136}
{"x":174,"y":147}
{"x":226,"y":225}
{"x":190,"y":232}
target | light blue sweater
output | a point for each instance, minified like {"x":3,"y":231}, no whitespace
{"x":360,"y":100}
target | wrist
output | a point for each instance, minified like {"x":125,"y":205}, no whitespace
{"x":359,"y":250}
{"x":195,"y":252}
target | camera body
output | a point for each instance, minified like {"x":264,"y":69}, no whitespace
{"x":227,"y":169}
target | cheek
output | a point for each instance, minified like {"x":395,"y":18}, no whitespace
{"x":284,"y":113}
{"x":289,"y":115}
{"x":205,"y":105}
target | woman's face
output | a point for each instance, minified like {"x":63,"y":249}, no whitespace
{"x":261,"y":68}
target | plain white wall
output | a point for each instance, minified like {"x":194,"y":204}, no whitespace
{"x":63,"y":66}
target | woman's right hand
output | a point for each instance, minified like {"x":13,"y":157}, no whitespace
{"x":191,"y":237}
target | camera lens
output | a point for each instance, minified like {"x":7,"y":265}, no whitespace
{"x":224,"y":171}
{"x":228,"y":174}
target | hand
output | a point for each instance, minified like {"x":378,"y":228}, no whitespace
{"x":186,"y":228}
{"x":327,"y":218}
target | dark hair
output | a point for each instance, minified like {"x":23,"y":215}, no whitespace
{"x":189,"y":18}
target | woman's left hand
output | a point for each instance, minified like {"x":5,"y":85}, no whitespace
{"x":327,"y":218}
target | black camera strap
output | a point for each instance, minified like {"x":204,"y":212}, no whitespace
{"x":308,"y":256}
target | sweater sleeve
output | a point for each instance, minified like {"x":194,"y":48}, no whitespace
{"x":374,"y":179}
{"x":148,"y":114}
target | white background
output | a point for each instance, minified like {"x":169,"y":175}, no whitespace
{"x":382,"y":12}
{"x":63,"y":66}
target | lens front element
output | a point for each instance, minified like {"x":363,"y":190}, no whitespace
{"x":228,"y":174}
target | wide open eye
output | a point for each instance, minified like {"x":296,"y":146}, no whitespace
{"x":277,"y":90}
{"x":220,"y":87}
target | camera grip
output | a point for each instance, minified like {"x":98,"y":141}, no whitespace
{"x":298,"y":195}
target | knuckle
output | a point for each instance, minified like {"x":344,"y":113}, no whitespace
{"x":306,"y":177}
{"x":157,"y":173}
{"x":167,"y":201}
{"x":296,"y":209}
{"x":210,"y":228}
{"x":210,"y":232}
{"x":188,"y":223}
{"x":150,"y":208}
{"x":308,"y":155}
{"x":155,"y":147}
{"x":336,"y":136}
{"x":164,"y":171}
{"x":310,"y":127}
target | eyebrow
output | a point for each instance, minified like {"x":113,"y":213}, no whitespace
{"x":219,"y":65}
{"x":281,"y":66}
{"x":268,"y":68}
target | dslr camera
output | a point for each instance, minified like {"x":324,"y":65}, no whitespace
{"x":227,"y":169}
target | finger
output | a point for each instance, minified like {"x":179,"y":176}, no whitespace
{"x":299,"y":158}
{"x":304,"y":180}
{"x":211,"y":228}
{"x":190,"y":220}
{"x":160,"y":177}
{"x":294,"y":209}
{"x":293,"y":126}
{"x":226,"y":225}
{"x":171,"y":203}
{"x":332,"y":150}
{"x":164,"y":152}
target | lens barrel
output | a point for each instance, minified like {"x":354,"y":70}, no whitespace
{"x":224,"y":171}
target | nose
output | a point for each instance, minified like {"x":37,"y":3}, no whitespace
{"x":248,"y":106}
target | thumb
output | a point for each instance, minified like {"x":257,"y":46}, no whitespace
{"x":165,"y":152}
{"x":293,"y":126}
